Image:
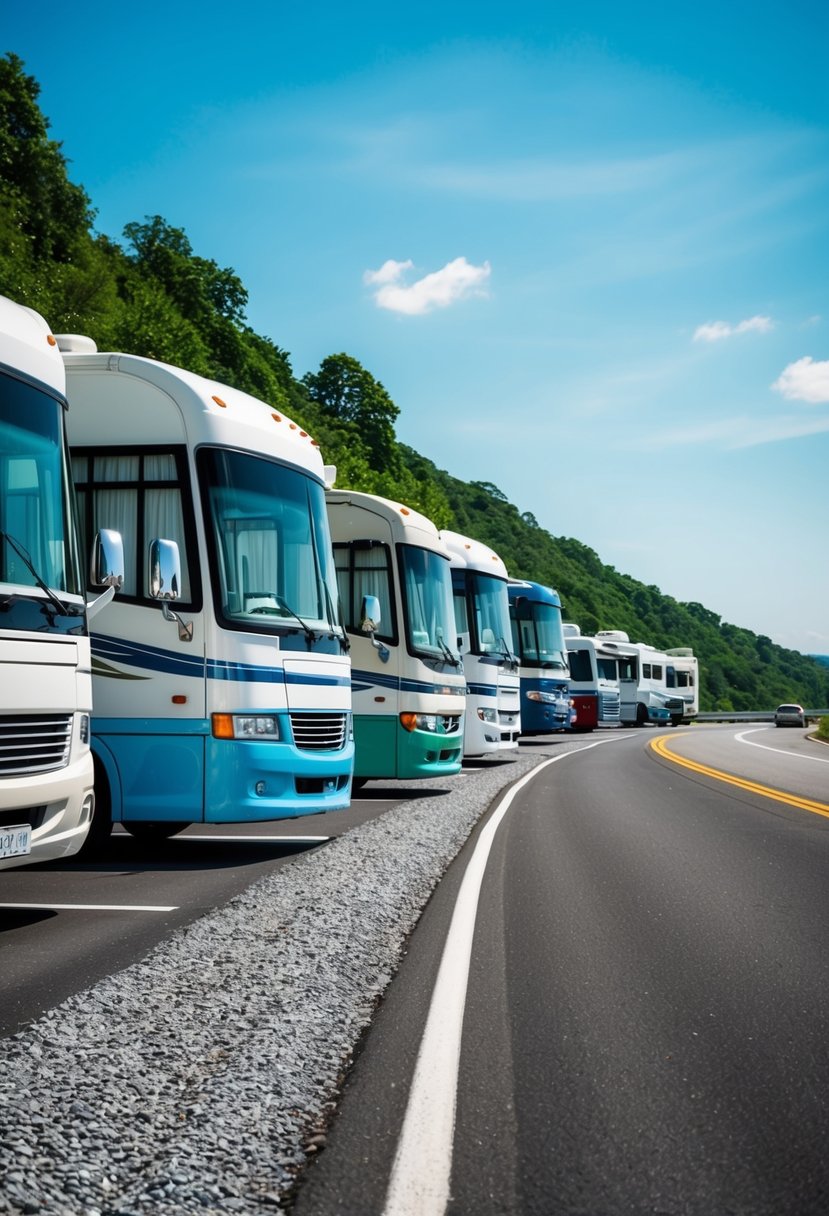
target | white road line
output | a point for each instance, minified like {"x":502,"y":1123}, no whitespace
{"x":95,"y":907}
{"x":241,"y":839}
{"x":419,"y":1181}
{"x":778,"y":751}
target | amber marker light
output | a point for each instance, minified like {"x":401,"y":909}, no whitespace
{"x":219,"y":401}
{"x":51,"y":340}
{"x":276,"y":417}
{"x":408,"y":721}
{"x":404,"y":511}
{"x":222,"y":726}
{"x":179,"y":699}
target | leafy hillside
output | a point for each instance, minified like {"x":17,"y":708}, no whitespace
{"x":152,"y":295}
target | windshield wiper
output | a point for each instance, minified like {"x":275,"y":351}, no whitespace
{"x":310,"y":636}
{"x":450,"y":657}
{"x":63,"y":609}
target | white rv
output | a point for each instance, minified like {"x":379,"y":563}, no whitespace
{"x":408,"y":682}
{"x":479,"y":588}
{"x":221,"y":679}
{"x":683,"y":679}
{"x":594,"y":680}
{"x":643,"y":681}
{"x":46,"y":775}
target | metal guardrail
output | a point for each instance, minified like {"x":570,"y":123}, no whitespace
{"x":762,"y":716}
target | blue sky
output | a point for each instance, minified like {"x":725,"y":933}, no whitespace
{"x":584,"y":247}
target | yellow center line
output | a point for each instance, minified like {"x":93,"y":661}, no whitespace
{"x":660,"y":745}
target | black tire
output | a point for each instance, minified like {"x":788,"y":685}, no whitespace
{"x":151,"y":833}
{"x":641,"y":715}
{"x":101,"y":826}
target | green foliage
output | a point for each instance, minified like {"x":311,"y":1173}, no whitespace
{"x":156,"y":297}
{"x":345,"y":391}
{"x":50,"y":211}
{"x":823,"y":728}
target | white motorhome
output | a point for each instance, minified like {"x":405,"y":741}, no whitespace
{"x":645,"y":696}
{"x":594,"y":680}
{"x":46,"y":773}
{"x":235,"y":704}
{"x":683,"y":679}
{"x":479,"y":589}
{"x":408,"y":682}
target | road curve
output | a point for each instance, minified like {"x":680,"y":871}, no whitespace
{"x":646,"y":1018}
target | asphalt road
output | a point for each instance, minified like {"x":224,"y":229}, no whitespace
{"x":647,"y":1013}
{"x":66,"y":925}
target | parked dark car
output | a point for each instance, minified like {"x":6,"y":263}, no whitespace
{"x":789,"y":715}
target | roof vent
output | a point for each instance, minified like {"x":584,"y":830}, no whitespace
{"x":77,"y":344}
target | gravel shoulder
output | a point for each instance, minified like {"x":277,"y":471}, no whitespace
{"x":201,"y":1078}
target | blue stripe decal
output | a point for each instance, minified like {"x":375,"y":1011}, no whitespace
{"x":147,"y":657}
{"x":362,"y":680}
{"x":151,"y":658}
{"x":483,"y":690}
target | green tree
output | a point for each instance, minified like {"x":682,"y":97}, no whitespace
{"x":346,"y":391}
{"x":51,"y":211}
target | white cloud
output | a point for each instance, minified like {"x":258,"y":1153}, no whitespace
{"x":389,"y":272}
{"x":805,"y":380}
{"x":457,"y":280}
{"x":716,"y":331}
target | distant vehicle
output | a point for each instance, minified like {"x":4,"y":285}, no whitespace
{"x":682,"y":676}
{"x":479,"y":587}
{"x":790,"y":715}
{"x":535,"y":616}
{"x":594,"y":681}
{"x":643,"y":681}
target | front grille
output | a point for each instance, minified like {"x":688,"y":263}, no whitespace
{"x":34,"y":743}
{"x":33,"y":815}
{"x":450,"y":723}
{"x":319,"y":732}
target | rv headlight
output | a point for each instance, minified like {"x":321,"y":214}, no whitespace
{"x":546,"y":698}
{"x":488,"y":715}
{"x":245,"y":726}
{"x":410,"y":722}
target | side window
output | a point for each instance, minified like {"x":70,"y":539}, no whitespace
{"x":365,"y":570}
{"x":139,"y":494}
{"x":646,"y":670}
{"x":657,"y":671}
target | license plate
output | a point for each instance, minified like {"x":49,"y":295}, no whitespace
{"x":16,"y":841}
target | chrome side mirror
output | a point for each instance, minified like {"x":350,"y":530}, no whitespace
{"x":369,"y":613}
{"x":106,"y":568}
{"x":107,"y":565}
{"x":369,"y":620}
{"x":165,"y":582}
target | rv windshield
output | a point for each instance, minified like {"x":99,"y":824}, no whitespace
{"x":36,"y":509}
{"x":270,"y":545}
{"x":491,"y":614}
{"x":540,"y":635}
{"x":430,"y":621}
